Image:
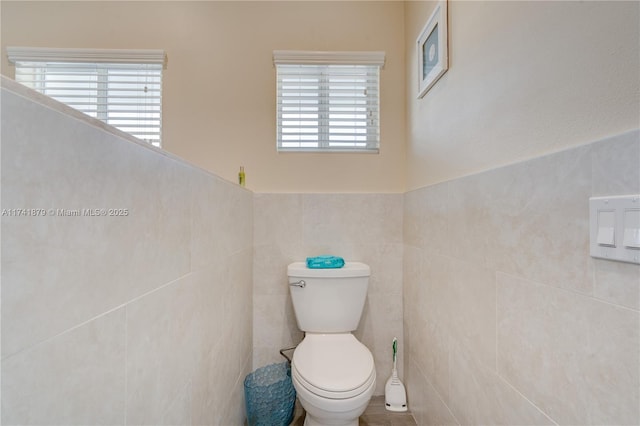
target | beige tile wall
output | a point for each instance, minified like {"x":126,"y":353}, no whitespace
{"x":359,"y":227}
{"x":138,"y":319}
{"x":507,"y":318}
{"x":156,"y":317}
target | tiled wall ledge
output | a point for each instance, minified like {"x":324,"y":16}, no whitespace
{"x":18,"y":89}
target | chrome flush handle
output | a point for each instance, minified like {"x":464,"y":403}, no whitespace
{"x":300,"y":284}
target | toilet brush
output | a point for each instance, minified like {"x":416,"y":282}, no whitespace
{"x":395,"y":396}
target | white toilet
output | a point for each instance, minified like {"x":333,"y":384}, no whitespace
{"x":333,"y":373}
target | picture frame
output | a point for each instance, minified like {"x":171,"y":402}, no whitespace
{"x":433,"y":55}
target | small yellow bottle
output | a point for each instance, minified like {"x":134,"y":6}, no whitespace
{"x":241,"y":180}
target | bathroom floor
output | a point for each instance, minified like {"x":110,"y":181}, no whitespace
{"x":376,"y":415}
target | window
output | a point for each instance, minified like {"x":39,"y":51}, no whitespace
{"x":328,"y":101}
{"x":123,"y":88}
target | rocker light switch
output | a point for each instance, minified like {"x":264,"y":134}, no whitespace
{"x":614,"y":228}
{"x":607,"y":237}
{"x":607,"y":228}
{"x":631,"y":237}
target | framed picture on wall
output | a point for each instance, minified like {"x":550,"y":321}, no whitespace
{"x":433,"y":57}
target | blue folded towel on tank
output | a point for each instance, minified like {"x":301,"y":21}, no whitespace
{"x":325,"y":262}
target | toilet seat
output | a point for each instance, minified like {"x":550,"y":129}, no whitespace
{"x":334,"y":395}
{"x":334,"y":366}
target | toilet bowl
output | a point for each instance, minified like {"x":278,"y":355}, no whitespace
{"x":334,"y":376}
{"x":333,"y":373}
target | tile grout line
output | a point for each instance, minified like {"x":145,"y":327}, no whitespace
{"x":495,"y":286}
{"x":566,"y":290}
{"x":435,"y":390}
{"x":523,"y":278}
{"x":525,"y":398}
{"x":126,"y":350}
{"x":94,"y":318}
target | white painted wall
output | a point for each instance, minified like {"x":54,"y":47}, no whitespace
{"x":219,"y":85}
{"x":524,"y":79}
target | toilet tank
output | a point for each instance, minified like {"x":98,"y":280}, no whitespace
{"x":331,"y":300}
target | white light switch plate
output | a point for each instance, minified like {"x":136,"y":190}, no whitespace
{"x":614,"y":228}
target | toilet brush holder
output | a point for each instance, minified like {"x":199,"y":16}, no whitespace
{"x":395,"y":395}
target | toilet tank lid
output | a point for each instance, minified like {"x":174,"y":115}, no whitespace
{"x":350,"y":269}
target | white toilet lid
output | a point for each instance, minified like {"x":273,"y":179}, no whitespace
{"x":333,"y":362}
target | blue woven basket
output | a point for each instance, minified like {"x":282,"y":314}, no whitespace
{"x":270,"y":396}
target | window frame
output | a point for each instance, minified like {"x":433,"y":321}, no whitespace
{"x":366,"y":65}
{"x":102,"y":64}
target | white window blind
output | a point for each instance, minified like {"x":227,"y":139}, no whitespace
{"x":328,"y":101}
{"x":121,"y":88}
